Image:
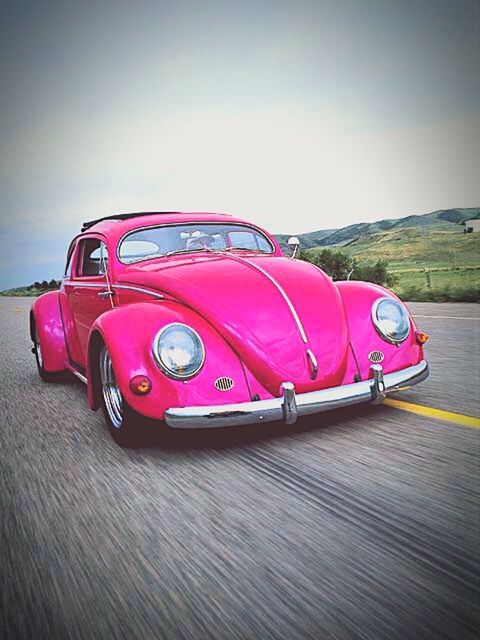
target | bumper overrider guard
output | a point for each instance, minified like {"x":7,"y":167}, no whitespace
{"x":290,"y":406}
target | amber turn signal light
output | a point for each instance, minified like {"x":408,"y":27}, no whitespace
{"x":140,"y":385}
{"x":422,"y":337}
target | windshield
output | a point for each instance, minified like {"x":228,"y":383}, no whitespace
{"x":186,"y":238}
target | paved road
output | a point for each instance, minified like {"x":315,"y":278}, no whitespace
{"x":358,"y":524}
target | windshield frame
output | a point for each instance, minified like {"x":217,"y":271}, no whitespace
{"x":185,"y":253}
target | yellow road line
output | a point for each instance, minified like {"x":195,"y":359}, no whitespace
{"x":446,"y":317}
{"x":430,"y":412}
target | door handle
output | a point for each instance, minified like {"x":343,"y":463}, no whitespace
{"x":106,"y":294}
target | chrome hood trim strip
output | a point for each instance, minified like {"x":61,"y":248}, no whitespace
{"x":280,"y":289}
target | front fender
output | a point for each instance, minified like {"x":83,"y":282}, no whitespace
{"x":358,"y":298}
{"x":45,"y":314}
{"x":129,"y":331}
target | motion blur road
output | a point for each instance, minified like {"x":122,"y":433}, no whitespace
{"x":356,"y":524}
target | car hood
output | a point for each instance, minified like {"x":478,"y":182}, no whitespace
{"x":271,"y":310}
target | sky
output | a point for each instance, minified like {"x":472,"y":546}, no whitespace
{"x":297,"y":116}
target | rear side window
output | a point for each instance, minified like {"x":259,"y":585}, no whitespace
{"x":92,"y":258}
{"x":68,"y":267}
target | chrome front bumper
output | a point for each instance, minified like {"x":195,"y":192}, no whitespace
{"x":289,"y":406}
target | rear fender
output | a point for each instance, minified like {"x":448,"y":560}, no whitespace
{"x":358,"y":298}
{"x":129,"y":331}
{"x":45,"y":314}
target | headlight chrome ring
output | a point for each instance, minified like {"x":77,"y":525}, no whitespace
{"x":385,"y":326}
{"x":178,"y":351}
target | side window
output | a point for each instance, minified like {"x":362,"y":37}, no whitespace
{"x":92,"y":260}
{"x":100,"y":255}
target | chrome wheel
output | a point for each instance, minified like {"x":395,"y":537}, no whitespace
{"x":38,"y":349}
{"x":111,"y":393}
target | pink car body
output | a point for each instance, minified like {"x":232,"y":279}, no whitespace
{"x":285,"y":339}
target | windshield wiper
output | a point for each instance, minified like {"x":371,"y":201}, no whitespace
{"x":210,"y":250}
{"x":172,"y":253}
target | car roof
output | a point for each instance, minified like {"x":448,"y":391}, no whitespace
{"x":117,"y":217}
{"x":115,"y":227}
{"x":123,"y":222}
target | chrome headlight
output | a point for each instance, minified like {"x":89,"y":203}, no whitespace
{"x":391,"y":320}
{"x":179,"y":351}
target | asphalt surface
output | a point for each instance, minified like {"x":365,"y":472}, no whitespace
{"x":357,"y":524}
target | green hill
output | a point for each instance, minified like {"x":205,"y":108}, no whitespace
{"x":447,"y":219}
{"x":307,"y":240}
{"x":418,"y":247}
{"x":430,"y":255}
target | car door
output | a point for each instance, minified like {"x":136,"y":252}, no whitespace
{"x":71,"y":337}
{"x":88,"y":292}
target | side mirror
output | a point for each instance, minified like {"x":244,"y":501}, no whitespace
{"x":294,"y":244}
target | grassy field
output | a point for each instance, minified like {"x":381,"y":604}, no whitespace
{"x":417,"y":248}
{"x":22,"y":292}
{"x":447,"y":283}
{"x":429,"y":264}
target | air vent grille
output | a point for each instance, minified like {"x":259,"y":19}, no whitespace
{"x":224,"y":383}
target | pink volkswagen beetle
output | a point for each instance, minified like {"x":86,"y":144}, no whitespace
{"x":199,"y":320}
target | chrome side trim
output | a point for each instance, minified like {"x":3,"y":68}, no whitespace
{"x":280,"y":289}
{"x":74,"y":283}
{"x":285,"y":407}
{"x":128,"y":287}
{"x":79,"y":375}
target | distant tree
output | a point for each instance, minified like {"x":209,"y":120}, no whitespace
{"x":376,"y":272}
{"x":53,"y":284}
{"x":44,"y":285}
{"x":340,"y":266}
{"x":37,"y":285}
{"x":337,"y":265}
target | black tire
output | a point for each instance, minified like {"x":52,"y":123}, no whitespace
{"x":126,"y":426}
{"x":46,"y":376}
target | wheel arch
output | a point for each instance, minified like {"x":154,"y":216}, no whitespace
{"x":358,"y":298}
{"x":32,"y":325}
{"x":128,"y":332}
{"x":46,"y":318}
{"x":95,"y":344}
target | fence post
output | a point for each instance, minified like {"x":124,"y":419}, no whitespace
{"x":428,"y":279}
